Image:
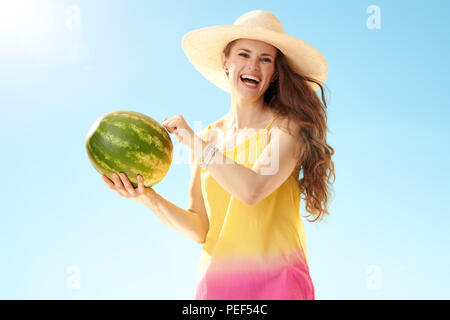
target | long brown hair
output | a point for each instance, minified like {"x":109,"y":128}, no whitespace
{"x":290,"y":95}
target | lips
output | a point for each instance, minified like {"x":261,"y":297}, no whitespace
{"x":250,"y":83}
{"x":257,"y":76}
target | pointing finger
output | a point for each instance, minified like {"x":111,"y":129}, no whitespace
{"x":165,"y":124}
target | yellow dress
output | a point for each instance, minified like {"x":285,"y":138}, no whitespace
{"x":253,"y":251}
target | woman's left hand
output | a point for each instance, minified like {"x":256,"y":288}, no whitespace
{"x":178,"y":126}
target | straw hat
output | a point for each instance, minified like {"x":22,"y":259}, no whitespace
{"x":203,"y":47}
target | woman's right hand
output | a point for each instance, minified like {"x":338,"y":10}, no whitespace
{"x":125,"y":189}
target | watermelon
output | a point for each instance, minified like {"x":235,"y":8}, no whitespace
{"x":132,"y":143}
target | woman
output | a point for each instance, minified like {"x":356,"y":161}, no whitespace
{"x":245,"y":187}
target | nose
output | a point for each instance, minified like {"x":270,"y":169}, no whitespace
{"x":254,"y":64}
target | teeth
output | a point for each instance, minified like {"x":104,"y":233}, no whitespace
{"x":244,"y":76}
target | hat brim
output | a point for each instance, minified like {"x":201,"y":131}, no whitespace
{"x":203,"y":48}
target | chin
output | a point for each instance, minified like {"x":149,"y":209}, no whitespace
{"x":244,"y":92}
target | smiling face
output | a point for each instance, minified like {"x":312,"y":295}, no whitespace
{"x":251,"y":67}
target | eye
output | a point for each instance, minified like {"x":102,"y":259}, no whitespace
{"x":246,"y":55}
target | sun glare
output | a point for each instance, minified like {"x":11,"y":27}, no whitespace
{"x":16,"y":14}
{"x":22,"y":21}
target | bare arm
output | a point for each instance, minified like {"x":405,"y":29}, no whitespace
{"x":196,"y":200}
{"x":282,"y":154}
{"x":252,"y":185}
{"x":182,"y":221}
{"x":193,"y":223}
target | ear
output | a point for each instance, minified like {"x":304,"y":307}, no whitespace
{"x":224,"y":61}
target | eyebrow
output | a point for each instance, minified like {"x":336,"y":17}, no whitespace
{"x":262,"y":54}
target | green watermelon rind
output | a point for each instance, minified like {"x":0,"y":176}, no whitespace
{"x":121,"y":157}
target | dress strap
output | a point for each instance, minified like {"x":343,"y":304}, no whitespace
{"x":207,"y":133}
{"x":271,"y":122}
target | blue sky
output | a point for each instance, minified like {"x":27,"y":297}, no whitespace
{"x":65,"y":63}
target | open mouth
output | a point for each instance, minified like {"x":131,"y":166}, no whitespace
{"x":249,"y":82}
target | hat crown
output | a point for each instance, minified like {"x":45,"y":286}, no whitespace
{"x":204,"y":46}
{"x":261,"y":19}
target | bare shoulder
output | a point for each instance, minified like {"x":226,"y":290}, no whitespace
{"x":289,"y":126}
{"x":286,"y":131}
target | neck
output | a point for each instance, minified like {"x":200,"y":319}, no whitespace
{"x":245,"y":113}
